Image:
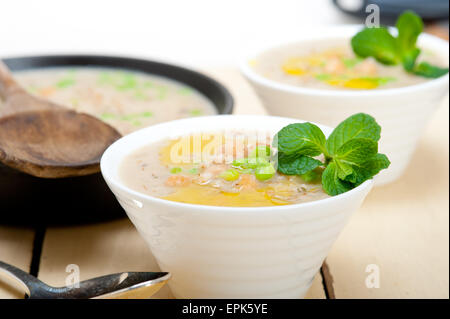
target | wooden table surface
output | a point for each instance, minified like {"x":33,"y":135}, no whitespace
{"x":401,"y":231}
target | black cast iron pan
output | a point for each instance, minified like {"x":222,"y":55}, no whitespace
{"x":28,"y":200}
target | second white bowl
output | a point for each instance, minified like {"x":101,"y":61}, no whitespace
{"x":401,"y":112}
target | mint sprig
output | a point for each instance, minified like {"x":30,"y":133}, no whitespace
{"x":387,"y":49}
{"x":350,"y":152}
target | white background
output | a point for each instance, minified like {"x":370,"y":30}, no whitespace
{"x":189,"y":32}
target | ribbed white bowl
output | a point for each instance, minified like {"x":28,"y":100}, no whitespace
{"x":401,"y":112}
{"x":231,"y":252}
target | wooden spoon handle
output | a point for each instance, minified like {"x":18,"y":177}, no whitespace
{"x":8,"y":85}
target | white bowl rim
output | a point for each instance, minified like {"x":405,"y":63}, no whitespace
{"x":334,"y":32}
{"x":107,"y":175}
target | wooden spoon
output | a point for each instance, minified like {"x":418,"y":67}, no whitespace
{"x":44,"y":139}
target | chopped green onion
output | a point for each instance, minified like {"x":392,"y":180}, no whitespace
{"x":104,"y":77}
{"x":255,"y":162}
{"x":379,"y":80}
{"x":323,"y":77}
{"x":184,"y":91}
{"x":195,"y":112}
{"x":175,"y":170}
{"x":245,"y":170}
{"x":136,"y":116}
{"x":263,"y":151}
{"x":351,"y":62}
{"x":193,"y":170}
{"x":251,"y":162}
{"x":264,"y":173}
{"x":241,"y":162}
{"x":128,"y":81}
{"x":65,"y":83}
{"x":147,"y":84}
{"x":162,"y":92}
{"x":147,"y":114}
{"x":140,"y":95}
{"x":107,"y":116}
{"x":230,"y":175}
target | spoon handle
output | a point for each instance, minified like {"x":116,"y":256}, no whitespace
{"x":8,"y":85}
{"x":28,"y":282}
{"x":109,"y":284}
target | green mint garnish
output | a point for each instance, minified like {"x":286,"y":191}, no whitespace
{"x":305,"y":138}
{"x":427,"y":70}
{"x":311,"y":176}
{"x":377,"y":43}
{"x":296,"y":165}
{"x":351,"y":152}
{"x":387,"y":49}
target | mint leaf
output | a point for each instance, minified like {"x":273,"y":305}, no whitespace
{"x":331,"y":183}
{"x":386,"y":49}
{"x":368,"y":169}
{"x":427,"y":70}
{"x":296,"y":165}
{"x":302,"y":139}
{"x":409,"y":26}
{"x":343,"y":169}
{"x":409,"y":59}
{"x":377,"y":43}
{"x":357,"y":151}
{"x":360,"y":125}
{"x":311,"y":176}
{"x":351,"y":153}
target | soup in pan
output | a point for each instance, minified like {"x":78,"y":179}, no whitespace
{"x":220,"y":170}
{"x":124,"y":99}
{"x":333,"y":65}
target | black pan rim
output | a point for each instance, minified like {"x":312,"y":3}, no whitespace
{"x":127,"y":63}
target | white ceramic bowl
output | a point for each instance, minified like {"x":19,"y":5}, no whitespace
{"x":231,"y":252}
{"x":401,"y":112}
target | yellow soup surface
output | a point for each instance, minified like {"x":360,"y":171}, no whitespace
{"x":216,"y":179}
{"x":334,"y":66}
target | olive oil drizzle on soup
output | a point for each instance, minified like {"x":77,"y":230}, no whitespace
{"x":124,"y":99}
{"x":333,"y":65}
{"x":150,"y":170}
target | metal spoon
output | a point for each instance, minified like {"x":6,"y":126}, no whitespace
{"x":125,"y":285}
{"x":44,"y":139}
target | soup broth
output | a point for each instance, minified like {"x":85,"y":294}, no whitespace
{"x":333,"y":65}
{"x":124,"y":99}
{"x":218,"y":181}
